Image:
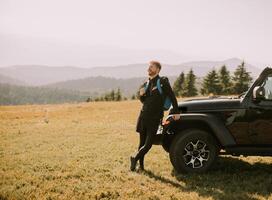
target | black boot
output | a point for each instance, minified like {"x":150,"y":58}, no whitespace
{"x":132,"y":163}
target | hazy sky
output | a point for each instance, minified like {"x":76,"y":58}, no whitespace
{"x":203,"y":29}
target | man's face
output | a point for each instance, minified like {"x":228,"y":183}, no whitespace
{"x":152,"y":69}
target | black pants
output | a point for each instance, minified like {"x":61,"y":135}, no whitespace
{"x":147,"y":128}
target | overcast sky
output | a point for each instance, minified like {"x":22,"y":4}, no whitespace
{"x":203,"y":29}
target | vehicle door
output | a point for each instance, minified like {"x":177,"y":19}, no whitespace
{"x":259,"y":115}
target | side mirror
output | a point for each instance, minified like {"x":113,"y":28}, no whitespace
{"x":258,"y":93}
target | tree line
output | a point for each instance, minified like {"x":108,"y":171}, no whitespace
{"x":215,"y":82}
{"x":109,"y":96}
{"x":220,"y":82}
{"x":19,"y":95}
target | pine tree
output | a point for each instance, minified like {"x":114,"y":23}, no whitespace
{"x":225,"y":80}
{"x":103,"y":98}
{"x":133,"y":97}
{"x":112,"y":95}
{"x":89,"y":99}
{"x":211,"y":83}
{"x":179,"y":85}
{"x":241,"y":79}
{"x":106,"y":97}
{"x":189,"y":86}
{"x":118,"y":96}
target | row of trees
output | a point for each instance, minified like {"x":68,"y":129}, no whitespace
{"x":109,"y":96}
{"x":219,"y":82}
{"x":185,"y":85}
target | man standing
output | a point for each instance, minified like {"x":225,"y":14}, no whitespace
{"x":152,"y":111}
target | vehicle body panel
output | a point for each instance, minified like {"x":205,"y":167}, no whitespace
{"x":237,"y":123}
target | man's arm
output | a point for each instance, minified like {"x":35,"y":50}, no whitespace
{"x":167,"y":89}
{"x":142,"y":97}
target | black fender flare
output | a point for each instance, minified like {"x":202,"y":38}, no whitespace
{"x":215,"y":124}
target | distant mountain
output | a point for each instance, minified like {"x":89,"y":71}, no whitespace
{"x":37,"y":75}
{"x":70,"y":91}
{"x":99,"y":85}
{"x":6,"y":79}
{"x":42,"y":75}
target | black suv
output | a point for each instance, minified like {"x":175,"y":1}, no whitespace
{"x":212,"y":126}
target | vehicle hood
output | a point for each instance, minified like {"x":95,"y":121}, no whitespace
{"x":209,"y":104}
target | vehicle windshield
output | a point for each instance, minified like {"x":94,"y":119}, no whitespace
{"x":242,"y":95}
{"x":267,"y":85}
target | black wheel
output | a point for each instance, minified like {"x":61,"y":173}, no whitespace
{"x":193,"y":151}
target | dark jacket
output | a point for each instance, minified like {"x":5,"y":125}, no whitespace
{"x":153,"y":101}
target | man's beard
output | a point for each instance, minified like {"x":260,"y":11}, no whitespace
{"x":151,"y":73}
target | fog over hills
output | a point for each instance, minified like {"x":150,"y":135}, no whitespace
{"x":53,"y":51}
{"x":24,"y":50}
{"x":41,"y":75}
{"x":12,"y":81}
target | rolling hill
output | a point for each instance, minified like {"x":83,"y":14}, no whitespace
{"x":43,"y":75}
{"x":9,"y":80}
{"x":99,"y":85}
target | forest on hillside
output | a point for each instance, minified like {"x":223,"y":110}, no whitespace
{"x":16,"y":95}
{"x":216,"y":82}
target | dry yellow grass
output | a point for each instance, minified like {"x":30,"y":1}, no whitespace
{"x":81,"y":151}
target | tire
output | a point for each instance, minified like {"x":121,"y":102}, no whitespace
{"x":193,"y":151}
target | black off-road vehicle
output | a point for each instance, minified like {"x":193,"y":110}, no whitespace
{"x":212,"y":126}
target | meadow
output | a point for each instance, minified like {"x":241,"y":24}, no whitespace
{"x":81,"y":151}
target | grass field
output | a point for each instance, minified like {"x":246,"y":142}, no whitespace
{"x":81,"y":151}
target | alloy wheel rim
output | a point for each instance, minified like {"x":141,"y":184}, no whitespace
{"x":196,"y":153}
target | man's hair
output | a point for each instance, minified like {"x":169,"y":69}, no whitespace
{"x":156,"y":63}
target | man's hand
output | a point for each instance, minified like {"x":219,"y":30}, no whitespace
{"x":176,"y":116}
{"x":142,"y":91}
